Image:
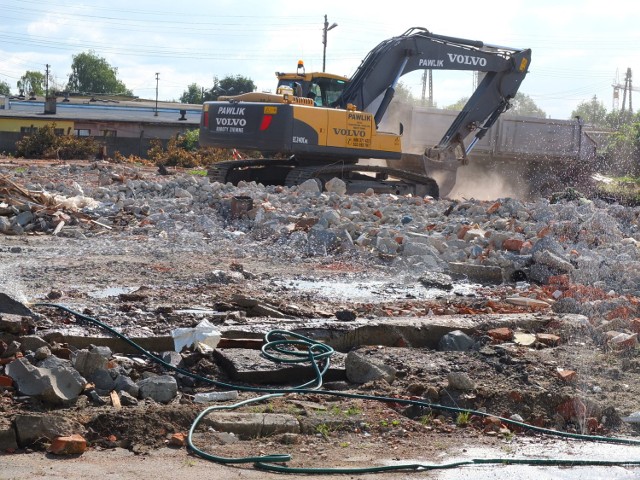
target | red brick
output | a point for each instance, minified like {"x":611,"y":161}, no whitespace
{"x":491,"y":424}
{"x":512,"y":244}
{"x":494,"y":208}
{"x":543,"y":232}
{"x":71,"y":445}
{"x":516,"y":396}
{"x":634,"y":325}
{"x":592,"y":424}
{"x":178,"y":440}
{"x":463,"y":231}
{"x":502,"y":334}
{"x":574,"y":408}
{"x":624,"y":341}
{"x":548,"y":339}
{"x":567,"y":375}
{"x":6,"y":381}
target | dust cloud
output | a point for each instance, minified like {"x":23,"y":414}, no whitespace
{"x":484,"y":182}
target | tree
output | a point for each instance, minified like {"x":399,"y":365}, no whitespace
{"x":592,"y":112}
{"x":5,"y":89}
{"x":522,"y":104}
{"x":93,"y":74}
{"x":31,"y":82}
{"x":230,"y":85}
{"x":403,"y":94}
{"x":193,"y":94}
{"x":459,"y":105}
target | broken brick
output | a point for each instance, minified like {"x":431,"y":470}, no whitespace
{"x":516,"y":396}
{"x":494,"y":208}
{"x":70,"y":445}
{"x":543,"y":232}
{"x":548,"y":339}
{"x":624,"y":341}
{"x":634,"y":325}
{"x":6,"y":381}
{"x":178,"y":439}
{"x":502,"y":334}
{"x":592,"y":424}
{"x":567,"y":375}
{"x":512,"y":244}
{"x":572,"y":409}
{"x":491,"y":424}
{"x":463,"y":231}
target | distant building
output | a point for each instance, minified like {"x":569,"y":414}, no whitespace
{"x":127,"y":126}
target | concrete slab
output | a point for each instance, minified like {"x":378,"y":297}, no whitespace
{"x":249,"y":366}
{"x":13,"y":307}
{"x":252,"y":425}
{"x":343,"y":336}
{"x":399,"y":331}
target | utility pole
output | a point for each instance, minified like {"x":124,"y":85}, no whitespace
{"x":427,"y":78}
{"x":157,"y":78}
{"x":326,"y":28}
{"x":46,"y":82}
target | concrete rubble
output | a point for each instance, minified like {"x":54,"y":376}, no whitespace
{"x":591,"y":241}
{"x":572,"y":266}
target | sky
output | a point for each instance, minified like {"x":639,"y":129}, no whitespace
{"x":580,"y":48}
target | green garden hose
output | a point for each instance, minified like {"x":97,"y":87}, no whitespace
{"x":288,"y":348}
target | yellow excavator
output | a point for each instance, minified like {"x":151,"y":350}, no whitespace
{"x":319,"y":125}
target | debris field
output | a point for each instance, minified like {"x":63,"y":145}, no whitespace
{"x":526,"y":311}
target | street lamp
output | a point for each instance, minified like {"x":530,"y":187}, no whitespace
{"x":326,"y":28}
{"x":157,"y":78}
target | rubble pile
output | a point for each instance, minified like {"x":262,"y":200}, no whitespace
{"x":570,"y":263}
{"x":592,"y":242}
{"x":25,"y":211}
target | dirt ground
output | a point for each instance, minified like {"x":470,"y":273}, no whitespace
{"x":139,"y":284}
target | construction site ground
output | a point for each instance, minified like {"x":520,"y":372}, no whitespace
{"x":151,"y":286}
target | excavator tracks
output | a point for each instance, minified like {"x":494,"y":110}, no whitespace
{"x":290,"y":172}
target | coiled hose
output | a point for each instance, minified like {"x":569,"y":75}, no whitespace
{"x":288,"y":348}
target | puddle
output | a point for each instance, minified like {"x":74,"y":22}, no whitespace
{"x":111,"y":292}
{"x":197,"y":311}
{"x":551,"y":449}
{"x":372,"y":291}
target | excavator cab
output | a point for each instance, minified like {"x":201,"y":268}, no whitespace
{"x":323,"y":88}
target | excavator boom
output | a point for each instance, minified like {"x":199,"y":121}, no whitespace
{"x":321,"y":120}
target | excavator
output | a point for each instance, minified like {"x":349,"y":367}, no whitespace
{"x":319,"y":125}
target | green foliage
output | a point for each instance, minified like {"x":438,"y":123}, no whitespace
{"x":523,"y":104}
{"x":323,"y":429}
{"x":625,"y":190}
{"x":189,"y":140}
{"x":462,"y":420}
{"x":592,"y":112}
{"x":193,"y":94}
{"x":403,"y":94}
{"x":426,"y":419}
{"x":459,"y":105}
{"x":234,"y":85}
{"x":93,"y":74}
{"x":5,"y":89}
{"x":229,"y":85}
{"x":353,"y":410}
{"x":31,"y":83}
{"x":44,"y":143}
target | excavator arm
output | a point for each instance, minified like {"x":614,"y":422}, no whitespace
{"x":373,"y":85}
